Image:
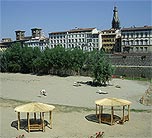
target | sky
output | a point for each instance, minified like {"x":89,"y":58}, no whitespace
{"x":62,"y":15}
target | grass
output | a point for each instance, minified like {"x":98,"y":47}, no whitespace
{"x":60,"y":108}
{"x":139,"y":79}
{"x":140,"y":110}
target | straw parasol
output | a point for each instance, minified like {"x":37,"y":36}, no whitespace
{"x":35,"y":107}
{"x":112,"y":102}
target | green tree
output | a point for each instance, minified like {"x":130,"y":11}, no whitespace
{"x":100,"y":68}
{"x":77,"y":60}
{"x":26,"y":59}
{"x":12,"y":58}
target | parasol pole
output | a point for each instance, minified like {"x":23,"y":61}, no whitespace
{"x":128,"y":112}
{"x":34,"y":116}
{"x":28,"y":122}
{"x":123,"y":114}
{"x":43,"y":122}
{"x":112,"y":115}
{"x":51,"y":119}
{"x":18,"y":120}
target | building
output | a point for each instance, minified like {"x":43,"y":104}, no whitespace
{"x":5,"y":42}
{"x":115,"y":20}
{"x":136,"y":39}
{"x":111,"y":38}
{"x":20,"y":35}
{"x":42,"y":43}
{"x":36,"y":40}
{"x":86,"y":39}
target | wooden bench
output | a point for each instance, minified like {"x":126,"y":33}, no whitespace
{"x":36,"y":127}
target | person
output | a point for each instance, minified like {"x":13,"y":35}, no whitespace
{"x":43,"y":92}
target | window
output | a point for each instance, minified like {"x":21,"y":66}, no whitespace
{"x":72,"y":45}
{"x":132,"y":42}
{"x":123,"y":42}
{"x":146,"y":42}
{"x":141,"y":42}
{"x":137,"y":42}
{"x":145,"y":49}
{"x":89,"y":40}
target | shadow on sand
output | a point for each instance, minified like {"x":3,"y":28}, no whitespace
{"x":24,"y":125}
{"x":105,"y":118}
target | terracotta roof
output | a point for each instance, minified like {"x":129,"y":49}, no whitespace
{"x":36,"y":29}
{"x":136,"y":28}
{"x":27,"y":37}
{"x":109,"y":30}
{"x":81,"y":30}
{"x":61,"y":32}
{"x":74,"y":30}
{"x":19,"y":31}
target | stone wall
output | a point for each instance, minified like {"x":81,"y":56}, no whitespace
{"x":132,"y":65}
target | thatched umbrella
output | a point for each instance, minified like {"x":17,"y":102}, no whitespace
{"x":35,"y":107}
{"x":112,"y":102}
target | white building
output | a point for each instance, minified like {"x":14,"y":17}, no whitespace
{"x":136,"y":39}
{"x":41,"y":42}
{"x":36,"y":40}
{"x":86,"y":39}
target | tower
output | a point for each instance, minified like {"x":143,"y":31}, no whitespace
{"x":20,"y":35}
{"x":115,"y":20}
{"x":36,"y":32}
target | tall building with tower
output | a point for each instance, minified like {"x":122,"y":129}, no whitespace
{"x":115,"y":20}
{"x":111,"y":38}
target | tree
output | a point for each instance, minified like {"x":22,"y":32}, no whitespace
{"x":77,"y":60}
{"x":100,"y":68}
{"x":12,"y":58}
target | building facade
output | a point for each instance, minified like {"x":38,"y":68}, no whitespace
{"x":86,"y":39}
{"x":36,"y":40}
{"x":5,"y":42}
{"x":136,"y":39}
{"x":111,"y":40}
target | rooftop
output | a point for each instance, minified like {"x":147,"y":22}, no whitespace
{"x":74,"y":30}
{"x":136,"y":28}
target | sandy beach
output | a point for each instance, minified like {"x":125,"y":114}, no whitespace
{"x":73,"y":105}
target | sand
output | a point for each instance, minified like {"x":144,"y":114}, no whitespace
{"x":69,"y":121}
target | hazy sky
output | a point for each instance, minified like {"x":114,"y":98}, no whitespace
{"x":61,"y":15}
